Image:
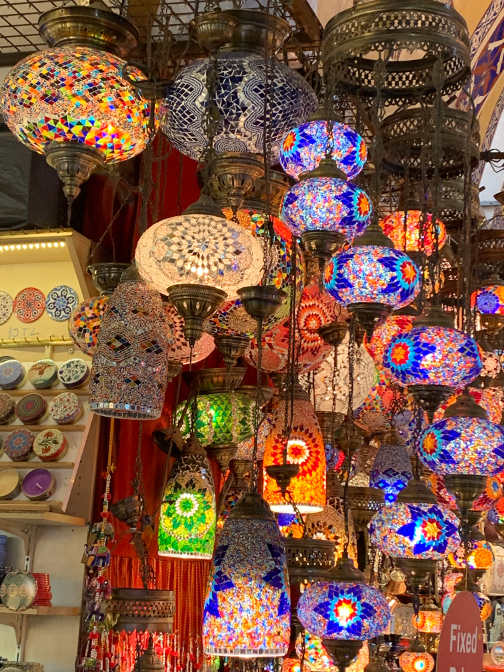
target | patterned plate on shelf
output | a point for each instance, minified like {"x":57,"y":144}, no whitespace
{"x":29,"y":304}
{"x":60,"y":302}
{"x":73,"y":373}
{"x":6,"y":305}
{"x":18,"y":590}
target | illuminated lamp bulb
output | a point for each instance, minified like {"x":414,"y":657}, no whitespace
{"x":71,"y":102}
{"x":410,"y":234}
{"x":371,"y":279}
{"x":188,"y":515}
{"x":247,"y":605}
{"x":305,"y":448}
{"x":429,"y":619}
{"x":479,"y":555}
{"x":391,"y":469}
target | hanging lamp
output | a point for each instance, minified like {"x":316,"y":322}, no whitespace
{"x":416,"y":658}
{"x":371,"y":278}
{"x":71,"y":102}
{"x":488,"y":300}
{"x":412,"y":230}
{"x":317,"y":659}
{"x":396,"y":323}
{"x":429,"y":619}
{"x":391,"y":469}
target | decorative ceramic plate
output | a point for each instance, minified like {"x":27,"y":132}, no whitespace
{"x":29,"y":304}
{"x":42,"y":374}
{"x":65,"y":408}
{"x":32,"y":409}
{"x":12,"y":374}
{"x":6,"y":305}
{"x":73,"y":372}
{"x":18,"y":590}
{"x":18,"y":445}
{"x":10,"y":483}
{"x":50,"y":445}
{"x":7,"y":408}
{"x":60,"y":302}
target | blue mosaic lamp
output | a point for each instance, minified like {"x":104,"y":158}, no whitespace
{"x":372,"y":278}
{"x":391,"y":469}
{"x":432,"y":359}
{"x":343,"y":611}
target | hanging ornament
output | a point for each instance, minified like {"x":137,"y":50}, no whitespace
{"x":429,"y":619}
{"x":305,"y":449}
{"x":247,"y":606}
{"x":239,"y":67}
{"x":371,"y":278}
{"x":391,"y":468}
{"x":130,"y":368}
{"x":188,"y":515}
{"x":416,"y":659}
{"x":396,"y":323}
{"x":409,"y":234}
{"x":71,"y":102}
{"x":489,"y":303}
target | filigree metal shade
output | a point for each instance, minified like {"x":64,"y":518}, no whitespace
{"x":85,"y":321}
{"x":479,"y":555}
{"x":391,"y":471}
{"x":76,"y":94}
{"x":188,"y":517}
{"x":416,"y":661}
{"x":199,"y":249}
{"x":303,"y":148}
{"x":427,"y":531}
{"x":247,"y":605}
{"x":463,"y":445}
{"x":241,"y":123}
{"x":129,"y":373}
{"x":222,"y":418}
{"x":372,"y":274}
{"x":329,"y":204}
{"x":384,"y":333}
{"x":343,"y":610}
{"x":408,"y":233}
{"x":433,"y":355}
{"x":305,"y":448}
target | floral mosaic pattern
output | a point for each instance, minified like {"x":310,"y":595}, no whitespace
{"x":65,"y":408}
{"x":29,"y":304}
{"x":6,"y":306}
{"x":60,"y":302}
{"x":384,"y":333}
{"x":18,"y":445}
{"x":489,"y":300}
{"x":73,"y":372}
{"x":412,"y":661}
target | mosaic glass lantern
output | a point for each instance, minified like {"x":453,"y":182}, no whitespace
{"x":180,"y":350}
{"x":247,"y":605}
{"x":489,"y":398}
{"x":305,"y":447}
{"x":246,"y":448}
{"x":443,"y":496}
{"x":396,"y":323}
{"x":463,"y":444}
{"x":315,"y":310}
{"x":85,"y":321}
{"x":188,"y":515}
{"x":483,"y":602}
{"x":199,"y":249}
{"x":422,"y":530}
{"x":491,"y":494}
{"x":391,"y":470}
{"x":429,"y":619}
{"x":479,"y":555}
{"x":304,"y":147}
{"x":75,"y":95}
{"x":222,"y":418}
{"x":409,"y":234}
{"x":489,"y":300}
{"x":416,"y":661}
{"x":129,"y":373}
{"x":238,"y":93}
{"x":329,"y":524}
{"x":317,"y":659}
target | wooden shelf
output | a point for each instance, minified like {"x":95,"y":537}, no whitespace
{"x":41,"y":428}
{"x":36,"y":464}
{"x":42,"y":611}
{"x":37,"y":513}
{"x":50,"y":392}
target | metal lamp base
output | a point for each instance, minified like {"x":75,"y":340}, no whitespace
{"x":430,"y":397}
{"x":261,"y":302}
{"x":195,"y":303}
{"x":322,"y":245}
{"x":106,"y":276}
{"x":342,"y":651}
{"x":370,"y":315}
{"x":466,"y":488}
{"x":231,"y":347}
{"x":74,"y":162}
{"x":282,"y":474}
{"x":222,"y":455}
{"x":333,"y":333}
{"x":417,"y":569}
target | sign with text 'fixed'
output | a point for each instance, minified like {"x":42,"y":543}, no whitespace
{"x":461,"y":639}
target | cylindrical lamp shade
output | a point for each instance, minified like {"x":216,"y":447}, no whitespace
{"x":85,"y":322}
{"x":428,"y":621}
{"x":343,"y":610}
{"x":222,"y":418}
{"x":416,"y":661}
{"x":427,"y":531}
{"x":129,"y":373}
{"x":305,"y":146}
{"x":247,"y":606}
{"x":305,"y":448}
{"x":199,"y":250}
{"x":76,"y":94}
{"x":408,"y":233}
{"x":188,"y":515}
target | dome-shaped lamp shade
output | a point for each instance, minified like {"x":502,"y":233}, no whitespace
{"x":317,"y":659}
{"x":343,"y":610}
{"x":303,"y":148}
{"x":433,"y":355}
{"x":463,"y":445}
{"x":239,"y":97}
{"x":77,"y":94}
{"x":199,"y":249}
{"x":409,"y":234}
{"x":490,"y":398}
{"x":372,"y":274}
{"x":305,"y":448}
{"x":484,"y":604}
{"x":427,"y":531}
{"x":180,"y":350}
{"x":489,"y":300}
{"x":85,"y":322}
{"x":129,"y":373}
{"x":479,"y":555}
{"x":428,"y":621}
{"x":391,"y":471}
{"x":188,"y":516}
{"x":222,"y":418}
{"x":247,"y":605}
{"x":416,"y":661}
{"x":329,"y":204}
{"x":384,"y":333}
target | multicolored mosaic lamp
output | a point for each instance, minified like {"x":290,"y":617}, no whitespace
{"x":433,"y":358}
{"x":488,"y":300}
{"x":416,"y":659}
{"x":317,"y":659}
{"x":329,"y":524}
{"x":396,"y":323}
{"x":371,"y":278}
{"x":391,"y":468}
{"x":479,"y":555}
{"x":343,"y":611}
{"x":305,"y":448}
{"x":409,"y":234}
{"x":188,"y":515}
{"x":130,"y":367}
{"x":490,"y":398}
{"x":71,"y":102}
{"x":429,"y":619}
{"x":247,"y":605}
{"x":483,"y":602}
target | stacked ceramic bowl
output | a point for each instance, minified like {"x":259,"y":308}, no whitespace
{"x":43,"y":595}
